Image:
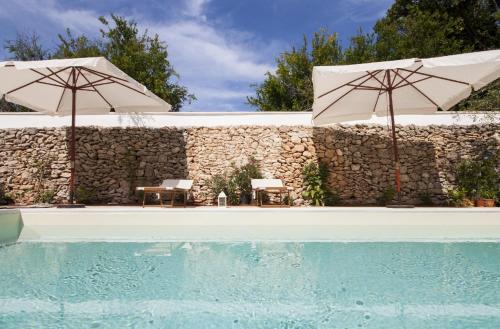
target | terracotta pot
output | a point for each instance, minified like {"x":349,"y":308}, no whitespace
{"x":485,"y":202}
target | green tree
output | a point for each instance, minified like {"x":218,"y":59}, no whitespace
{"x":77,"y":47}
{"x":290,"y":87}
{"x":25,"y":47}
{"x":485,"y":99}
{"x":143,"y":57}
{"x":361,"y":49}
{"x":478,"y":19}
{"x":427,"y":28}
{"x":411,"y":28}
{"x":419,"y":34}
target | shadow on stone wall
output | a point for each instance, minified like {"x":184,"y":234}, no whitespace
{"x":461,"y":143}
{"x":112,"y":162}
{"x":360,"y":161}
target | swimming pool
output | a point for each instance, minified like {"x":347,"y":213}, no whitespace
{"x":250,"y":285}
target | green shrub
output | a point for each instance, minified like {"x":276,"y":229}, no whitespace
{"x":232,"y":192}
{"x":46,"y":196}
{"x":217,"y":184}
{"x":288,"y":200}
{"x":237,"y":185}
{"x":140,"y":195}
{"x":5,"y":198}
{"x":426,"y":198}
{"x":315,"y":181}
{"x":223,"y":182}
{"x":8,"y":198}
{"x":457,"y":197}
{"x":386,"y":197}
{"x":488,"y":194}
{"x":84,"y":195}
{"x":479,"y":178}
{"x":332,"y":199}
{"x":242,"y":177}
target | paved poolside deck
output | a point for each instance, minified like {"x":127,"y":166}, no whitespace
{"x":118,"y":223}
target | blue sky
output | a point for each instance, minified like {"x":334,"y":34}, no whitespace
{"x":219,"y":47}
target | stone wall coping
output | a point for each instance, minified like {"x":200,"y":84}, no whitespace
{"x":225,"y":119}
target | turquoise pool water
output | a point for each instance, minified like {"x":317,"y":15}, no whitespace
{"x":250,"y":285}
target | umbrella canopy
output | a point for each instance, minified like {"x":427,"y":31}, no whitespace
{"x":47,"y":86}
{"x":408,"y":86}
{"x":75,"y":86}
{"x":419,"y":86}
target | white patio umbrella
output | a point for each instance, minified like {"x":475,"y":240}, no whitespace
{"x":75,"y":86}
{"x":408,"y":86}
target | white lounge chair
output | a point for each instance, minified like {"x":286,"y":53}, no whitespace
{"x":269,"y":186}
{"x":168,"y":186}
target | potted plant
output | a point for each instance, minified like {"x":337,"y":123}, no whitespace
{"x":243,"y":179}
{"x":486,"y":198}
{"x":480,"y":181}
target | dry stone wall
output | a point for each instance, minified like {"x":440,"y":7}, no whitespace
{"x":111,"y":162}
{"x":360,"y":158}
{"x":33,"y":160}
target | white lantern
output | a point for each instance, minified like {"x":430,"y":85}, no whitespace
{"x":222,"y":199}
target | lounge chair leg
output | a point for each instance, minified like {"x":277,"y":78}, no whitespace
{"x":173,"y":199}
{"x":185,"y":199}
{"x":144,"y":199}
{"x":161,"y":201}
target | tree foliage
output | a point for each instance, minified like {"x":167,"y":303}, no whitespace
{"x":141,"y":56}
{"x":485,"y":99}
{"x":290,"y":87}
{"x":361,"y":49}
{"x":479,"y":178}
{"x":427,"y":28}
{"x":25,"y":47}
{"x":418,"y":34}
{"x":411,"y":28}
{"x":476,"y":20}
{"x":76,"y":47}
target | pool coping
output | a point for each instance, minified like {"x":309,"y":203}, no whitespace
{"x":117,"y":223}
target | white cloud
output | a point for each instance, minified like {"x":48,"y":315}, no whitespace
{"x":79,"y":20}
{"x":206,"y":52}
{"x":220,"y":93}
{"x":195,"y":8}
{"x":216,"y":64}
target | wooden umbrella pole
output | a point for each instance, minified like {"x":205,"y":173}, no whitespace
{"x":394,"y":139}
{"x":73,"y":142}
